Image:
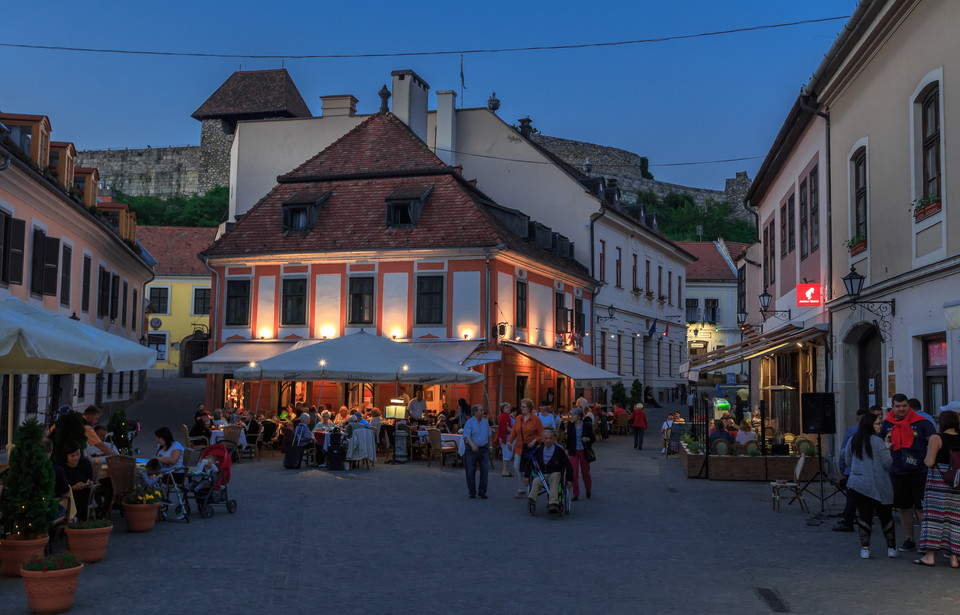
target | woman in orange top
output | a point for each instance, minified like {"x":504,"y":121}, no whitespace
{"x":527,"y":431}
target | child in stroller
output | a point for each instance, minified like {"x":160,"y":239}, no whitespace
{"x":207,"y":485}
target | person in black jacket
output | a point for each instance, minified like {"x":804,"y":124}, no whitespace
{"x":579,"y":440}
{"x":553,"y":463}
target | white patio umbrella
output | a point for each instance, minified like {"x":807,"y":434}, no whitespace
{"x":35,"y":340}
{"x":360,"y":357}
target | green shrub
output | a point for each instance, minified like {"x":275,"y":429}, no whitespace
{"x":118,"y":427}
{"x":29,"y":500}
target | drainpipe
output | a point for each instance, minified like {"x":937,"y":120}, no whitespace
{"x":213,"y":313}
{"x":593,"y":303}
{"x":486,"y":327}
{"x":3,"y":132}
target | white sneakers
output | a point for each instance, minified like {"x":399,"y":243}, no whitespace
{"x":892,"y":553}
{"x":864,"y":552}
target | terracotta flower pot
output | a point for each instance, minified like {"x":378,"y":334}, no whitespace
{"x":140,"y":517}
{"x":51,"y":591}
{"x":90,"y":545}
{"x":15,"y":551}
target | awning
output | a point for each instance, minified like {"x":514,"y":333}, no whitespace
{"x":452,"y":350}
{"x":481,"y":357}
{"x":234,"y":355}
{"x":568,"y":364}
{"x":750,"y":349}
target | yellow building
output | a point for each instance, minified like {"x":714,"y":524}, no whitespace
{"x":178,"y":297}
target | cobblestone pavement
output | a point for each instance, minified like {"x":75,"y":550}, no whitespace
{"x":406,"y":539}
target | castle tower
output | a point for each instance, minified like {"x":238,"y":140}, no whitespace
{"x":245,"y":95}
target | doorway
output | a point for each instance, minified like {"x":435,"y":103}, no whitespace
{"x":561,"y":401}
{"x":934,"y":372}
{"x":870,"y":367}
{"x":522,"y":384}
{"x":192,"y":348}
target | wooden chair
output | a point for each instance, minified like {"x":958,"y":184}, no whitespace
{"x":123,"y":477}
{"x":622,"y":423}
{"x":422,"y":447}
{"x":750,"y":446}
{"x":803,"y":446}
{"x":190,"y":458}
{"x":793,"y":488}
{"x":231,"y":440}
{"x":253,"y":446}
{"x":189,"y":442}
{"x":439,"y":448}
{"x":721,"y":447}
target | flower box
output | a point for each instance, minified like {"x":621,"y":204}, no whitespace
{"x":690,"y":462}
{"x":925,"y":212}
{"x":736,"y":467}
{"x":858,"y":247}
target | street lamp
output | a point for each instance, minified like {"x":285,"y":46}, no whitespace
{"x":765,"y":299}
{"x":742,"y":321}
{"x":853,"y":282}
{"x":611,"y":313}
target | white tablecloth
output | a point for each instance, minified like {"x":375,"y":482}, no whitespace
{"x":217,"y":434}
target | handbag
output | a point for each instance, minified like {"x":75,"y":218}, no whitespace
{"x":952,"y":475}
{"x":589,"y":454}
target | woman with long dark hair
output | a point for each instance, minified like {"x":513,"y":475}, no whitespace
{"x":940,"y":529}
{"x":869,"y":461}
{"x":169,"y":451}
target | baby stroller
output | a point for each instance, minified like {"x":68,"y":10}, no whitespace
{"x":207,"y":485}
{"x":172,"y":487}
{"x":539,"y":481}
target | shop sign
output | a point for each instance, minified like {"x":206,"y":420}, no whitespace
{"x":808,"y":294}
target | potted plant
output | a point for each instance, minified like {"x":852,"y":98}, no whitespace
{"x":51,"y":582}
{"x":140,"y":509}
{"x":924,"y":206}
{"x":856,"y":244}
{"x":29,"y":499}
{"x":88,"y":539}
{"x":117,"y":426}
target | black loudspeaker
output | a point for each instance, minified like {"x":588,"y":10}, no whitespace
{"x":819,"y":413}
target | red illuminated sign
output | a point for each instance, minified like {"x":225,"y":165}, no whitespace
{"x":808,"y":294}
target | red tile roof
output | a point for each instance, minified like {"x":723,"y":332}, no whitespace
{"x":379,"y":143}
{"x":378,"y":158}
{"x":176,"y":248}
{"x":255,"y":93}
{"x":710,"y":264}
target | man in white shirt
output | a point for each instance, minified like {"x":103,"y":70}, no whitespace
{"x":691,"y":398}
{"x":667,"y":425}
{"x":416,"y":408}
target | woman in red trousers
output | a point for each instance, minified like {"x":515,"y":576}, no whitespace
{"x":579,"y":444}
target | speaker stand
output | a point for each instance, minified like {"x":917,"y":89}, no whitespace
{"x":818,"y":476}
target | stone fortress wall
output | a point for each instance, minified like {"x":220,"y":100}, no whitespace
{"x":154,"y":171}
{"x":624,"y":166}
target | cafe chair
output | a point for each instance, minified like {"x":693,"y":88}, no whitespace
{"x":721,"y":447}
{"x":419,"y":446}
{"x":439,"y":448}
{"x":750,"y":446}
{"x":793,"y":489}
{"x":252,"y":447}
{"x":803,"y":446}
{"x":122,"y":470}
{"x":231,"y":440}
{"x":188,"y":442}
{"x":190,"y":458}
{"x":622,"y":423}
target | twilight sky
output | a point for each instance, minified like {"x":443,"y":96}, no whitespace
{"x":691,"y":100}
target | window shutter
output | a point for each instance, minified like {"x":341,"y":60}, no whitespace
{"x":51,"y":261}
{"x":36,"y":261}
{"x":114,"y":296}
{"x":17,"y":239}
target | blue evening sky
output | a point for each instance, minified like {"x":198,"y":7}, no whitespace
{"x":679,"y":101}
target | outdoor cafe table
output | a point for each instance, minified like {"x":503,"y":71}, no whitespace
{"x":217,"y":434}
{"x":456,"y":438}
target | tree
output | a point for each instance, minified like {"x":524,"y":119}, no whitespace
{"x":645,"y":168}
{"x":70,"y":427}
{"x":29,"y":498}
{"x":117,"y":425}
{"x":679,"y":215}
{"x":636,"y":393}
{"x":209,"y":209}
{"x":618,"y":395}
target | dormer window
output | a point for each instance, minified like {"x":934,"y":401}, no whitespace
{"x":301,"y":210}
{"x":404,"y":205}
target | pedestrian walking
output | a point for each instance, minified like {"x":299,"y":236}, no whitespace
{"x":638,"y":423}
{"x":691,"y":399}
{"x":579,"y":445}
{"x":504,"y":424}
{"x":940,"y":530}
{"x":848,"y":518}
{"x":907,"y":433}
{"x":869,"y":461}
{"x":526,"y":433}
{"x":476,"y":436}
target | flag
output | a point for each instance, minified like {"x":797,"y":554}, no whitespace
{"x":653,"y":329}
{"x":666,"y":330}
{"x":462,"y":86}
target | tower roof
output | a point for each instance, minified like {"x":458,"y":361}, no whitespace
{"x":255,"y":93}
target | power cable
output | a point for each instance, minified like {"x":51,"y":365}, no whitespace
{"x":660,"y":39}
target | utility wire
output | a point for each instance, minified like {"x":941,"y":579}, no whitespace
{"x":599,"y":164}
{"x":660,"y":39}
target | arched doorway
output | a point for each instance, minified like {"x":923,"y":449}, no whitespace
{"x":192,"y":347}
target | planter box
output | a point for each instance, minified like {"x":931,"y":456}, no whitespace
{"x":927,"y":211}
{"x":858,"y":247}
{"x":690,"y":463}
{"x":740,"y":467}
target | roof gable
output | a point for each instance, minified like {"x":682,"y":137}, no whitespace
{"x":176,"y":248}
{"x":379,"y":144}
{"x":710,"y":263}
{"x":265,"y":93}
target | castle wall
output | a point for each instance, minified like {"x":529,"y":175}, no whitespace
{"x":158,"y":171}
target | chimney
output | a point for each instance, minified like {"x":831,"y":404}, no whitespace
{"x":384,"y":95}
{"x":525,"y":127}
{"x":341,"y":104}
{"x":447,"y":126}
{"x":410,"y":101}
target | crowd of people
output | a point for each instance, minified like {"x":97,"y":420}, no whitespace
{"x":898,"y":460}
